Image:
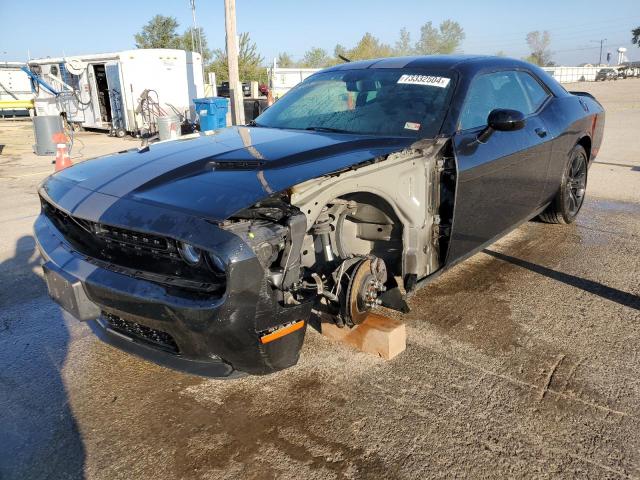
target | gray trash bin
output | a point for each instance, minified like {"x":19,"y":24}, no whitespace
{"x":169,"y":127}
{"x":43,"y":129}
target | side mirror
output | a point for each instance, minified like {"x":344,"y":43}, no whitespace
{"x":505,"y":120}
{"x":502,"y":120}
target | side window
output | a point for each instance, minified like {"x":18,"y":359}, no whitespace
{"x":491,"y":91}
{"x":537,"y":94}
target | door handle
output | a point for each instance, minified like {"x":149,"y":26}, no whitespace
{"x":541,"y":132}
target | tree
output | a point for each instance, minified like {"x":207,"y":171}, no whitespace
{"x":186,"y":43}
{"x":539,"y":44}
{"x":339,"y":50}
{"x":636,"y":36}
{"x":284,"y":60}
{"x":403,"y":45}
{"x":315,"y":58}
{"x":159,"y":32}
{"x":451,"y":36}
{"x":367,"y":47}
{"x":444,"y":39}
{"x":249,"y":62}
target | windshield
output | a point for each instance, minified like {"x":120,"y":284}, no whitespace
{"x":392,"y":102}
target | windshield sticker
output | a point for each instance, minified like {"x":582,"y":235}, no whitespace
{"x":411,"y":126}
{"x":428,"y":80}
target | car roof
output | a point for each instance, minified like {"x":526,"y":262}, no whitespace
{"x":435,"y":62}
{"x":465,"y":65}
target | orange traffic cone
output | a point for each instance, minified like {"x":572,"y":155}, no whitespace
{"x":63,"y":160}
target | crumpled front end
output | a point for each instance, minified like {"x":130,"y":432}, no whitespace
{"x":119,"y":265}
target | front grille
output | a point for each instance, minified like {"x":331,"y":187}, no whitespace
{"x":136,"y":254}
{"x":135,"y":241}
{"x":137,"y":331}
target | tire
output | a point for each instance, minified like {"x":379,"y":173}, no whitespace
{"x":566,"y":205}
{"x":120,"y":133}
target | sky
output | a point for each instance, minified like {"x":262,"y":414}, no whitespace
{"x":38,"y":29}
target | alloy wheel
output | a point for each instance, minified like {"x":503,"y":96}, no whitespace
{"x":576,"y":184}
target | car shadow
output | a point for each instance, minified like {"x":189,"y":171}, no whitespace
{"x":623,"y":298}
{"x":39,"y":436}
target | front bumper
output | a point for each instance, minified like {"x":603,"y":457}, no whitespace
{"x":217,"y":336}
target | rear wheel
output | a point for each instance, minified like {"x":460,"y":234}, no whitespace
{"x":568,"y":201}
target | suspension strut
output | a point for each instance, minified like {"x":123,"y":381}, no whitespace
{"x":322,"y":228}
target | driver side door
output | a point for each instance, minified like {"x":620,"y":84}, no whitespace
{"x":500,"y":181}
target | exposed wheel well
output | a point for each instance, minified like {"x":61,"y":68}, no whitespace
{"x":363,"y":223}
{"x":377,"y":223}
{"x":352,"y":254}
{"x":585,"y":142}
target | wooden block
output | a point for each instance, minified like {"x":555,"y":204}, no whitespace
{"x":379,"y":335}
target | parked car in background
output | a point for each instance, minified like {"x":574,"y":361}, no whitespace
{"x":223,"y":89}
{"x":209,"y":254}
{"x":606,"y":74}
{"x":628,"y":71}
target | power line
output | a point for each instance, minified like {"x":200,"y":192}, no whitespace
{"x":565,"y":27}
{"x":554,"y":38}
{"x":586,"y":48}
{"x":562,"y":36}
{"x":586,"y":35}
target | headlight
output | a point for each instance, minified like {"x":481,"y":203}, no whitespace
{"x":217,"y":262}
{"x":265,"y":238}
{"x":266,"y":253}
{"x":189,"y":253}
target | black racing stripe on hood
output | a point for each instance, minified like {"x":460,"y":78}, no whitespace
{"x":334,"y":149}
{"x":215,"y":162}
{"x":188,"y":170}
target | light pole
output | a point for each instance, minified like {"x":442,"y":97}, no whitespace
{"x":601,"y":42}
{"x":196,"y":36}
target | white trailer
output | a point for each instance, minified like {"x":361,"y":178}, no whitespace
{"x":104,"y":91}
{"x":281,"y":80}
{"x":15,"y":89}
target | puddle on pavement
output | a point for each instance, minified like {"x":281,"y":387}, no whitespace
{"x":253,"y":427}
{"x":242,"y":428}
{"x":613,"y":206}
{"x":472,"y":302}
{"x":603,"y":221}
{"x":466,"y":306}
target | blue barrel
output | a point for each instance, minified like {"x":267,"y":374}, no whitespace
{"x":212,"y":112}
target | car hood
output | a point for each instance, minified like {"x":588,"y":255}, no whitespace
{"x":213,"y":175}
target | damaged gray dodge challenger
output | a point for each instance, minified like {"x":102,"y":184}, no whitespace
{"x":209,"y":254}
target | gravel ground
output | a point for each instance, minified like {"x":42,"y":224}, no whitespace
{"x":521,"y":362}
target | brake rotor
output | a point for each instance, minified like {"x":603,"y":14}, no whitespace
{"x":366,"y":282}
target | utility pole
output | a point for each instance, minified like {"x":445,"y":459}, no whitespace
{"x":601,"y":42}
{"x":196,"y":36}
{"x":235,"y":88}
